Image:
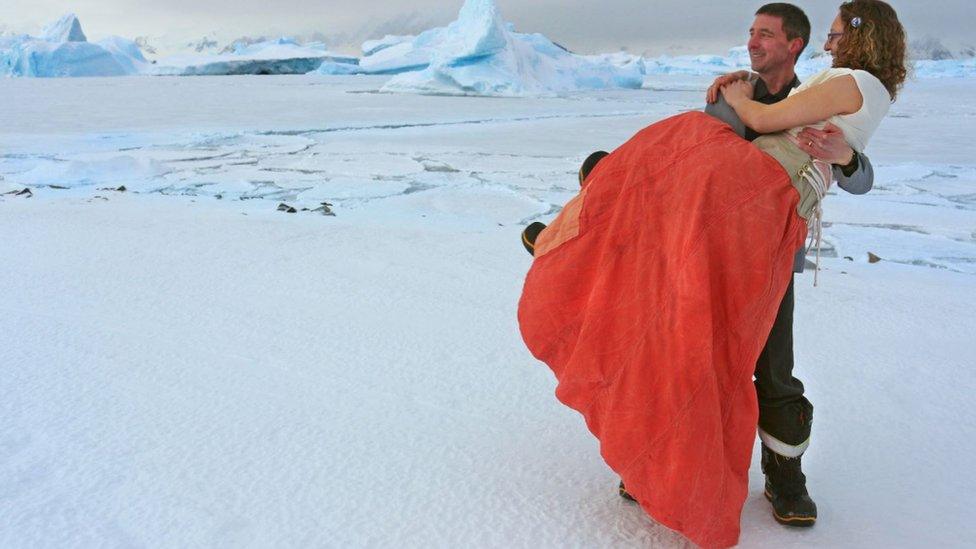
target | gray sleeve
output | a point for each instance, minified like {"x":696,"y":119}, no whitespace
{"x":861,"y":180}
{"x":724,"y":112}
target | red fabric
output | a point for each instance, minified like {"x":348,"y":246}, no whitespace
{"x":651,"y":301}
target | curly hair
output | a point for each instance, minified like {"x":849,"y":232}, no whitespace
{"x":875,"y":41}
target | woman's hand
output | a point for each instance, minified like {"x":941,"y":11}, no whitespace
{"x":711,"y":95}
{"x":737,"y":92}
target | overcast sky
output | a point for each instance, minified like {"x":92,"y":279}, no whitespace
{"x":581,"y":25}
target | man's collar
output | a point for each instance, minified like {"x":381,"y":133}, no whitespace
{"x":761,"y":90}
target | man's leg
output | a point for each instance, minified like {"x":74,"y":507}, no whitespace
{"x":785,"y":417}
{"x":531,"y":233}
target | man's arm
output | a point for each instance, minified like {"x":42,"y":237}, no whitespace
{"x":860,"y":180}
{"x":723,"y":111}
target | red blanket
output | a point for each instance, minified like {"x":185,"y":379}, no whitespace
{"x":651,"y":297}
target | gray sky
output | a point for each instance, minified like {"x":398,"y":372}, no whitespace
{"x":581,"y":25}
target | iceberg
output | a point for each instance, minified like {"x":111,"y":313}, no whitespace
{"x":479,"y":54}
{"x":63,"y":50}
{"x":392,"y":56}
{"x":281,"y":56}
{"x":66,"y":29}
{"x":371,"y":47}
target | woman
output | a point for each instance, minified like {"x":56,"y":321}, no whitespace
{"x":652,"y":293}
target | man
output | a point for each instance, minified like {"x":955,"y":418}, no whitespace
{"x":778,"y":35}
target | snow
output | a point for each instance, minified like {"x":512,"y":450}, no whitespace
{"x":184,"y":365}
{"x":478,"y":54}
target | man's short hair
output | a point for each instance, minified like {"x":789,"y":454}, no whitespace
{"x":795,"y":22}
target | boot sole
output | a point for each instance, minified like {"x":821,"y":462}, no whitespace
{"x":800,"y":522}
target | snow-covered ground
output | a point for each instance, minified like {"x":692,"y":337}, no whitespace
{"x":185,"y":365}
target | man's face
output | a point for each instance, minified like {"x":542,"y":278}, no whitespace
{"x":769,"y":48}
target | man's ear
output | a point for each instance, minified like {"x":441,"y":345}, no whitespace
{"x":796,"y":46}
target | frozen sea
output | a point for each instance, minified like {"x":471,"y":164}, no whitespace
{"x":184,"y":365}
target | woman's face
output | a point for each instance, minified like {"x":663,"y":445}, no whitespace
{"x":834,"y":36}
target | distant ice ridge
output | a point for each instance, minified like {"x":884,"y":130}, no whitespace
{"x":481,"y":55}
{"x":945,"y":68}
{"x":281,"y":56}
{"x":64,"y":50}
{"x":811,"y":61}
{"x":737,"y":58}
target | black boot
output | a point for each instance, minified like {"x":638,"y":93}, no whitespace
{"x":530,"y":234}
{"x":786,"y":489}
{"x":590,"y":163}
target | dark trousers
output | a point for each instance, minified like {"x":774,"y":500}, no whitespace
{"x":784,"y":412}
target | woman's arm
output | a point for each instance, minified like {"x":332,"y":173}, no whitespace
{"x":712,"y":95}
{"x":838,"y":95}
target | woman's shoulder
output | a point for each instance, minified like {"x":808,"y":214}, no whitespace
{"x":868,"y":84}
{"x":866,"y":81}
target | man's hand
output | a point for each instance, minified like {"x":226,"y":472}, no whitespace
{"x":737,"y":92}
{"x":828,"y":145}
{"x":711,"y":95}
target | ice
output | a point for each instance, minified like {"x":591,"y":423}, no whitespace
{"x":66,"y":29}
{"x":371,"y":47}
{"x":811,"y":61}
{"x":945,"y":68}
{"x":407,"y":55}
{"x":479,"y":55}
{"x":63,"y":50}
{"x":281,"y":56}
{"x":110,"y":170}
{"x":126,"y":53}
